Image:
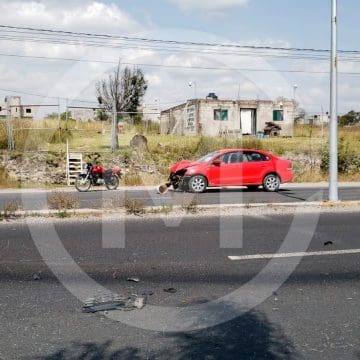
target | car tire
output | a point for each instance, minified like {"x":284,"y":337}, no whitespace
{"x":271,"y":183}
{"x":198,"y":184}
{"x":253,"y":187}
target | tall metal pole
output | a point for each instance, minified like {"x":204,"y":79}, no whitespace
{"x":333,"y":166}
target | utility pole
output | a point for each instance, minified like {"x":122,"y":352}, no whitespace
{"x":333,"y":166}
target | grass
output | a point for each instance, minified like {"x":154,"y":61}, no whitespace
{"x":62,"y":201}
{"x":134,"y":207}
{"x":191,"y":207}
{"x":89,"y":138}
{"x":132,"y":179}
{"x":5,"y":180}
{"x":9,"y":209}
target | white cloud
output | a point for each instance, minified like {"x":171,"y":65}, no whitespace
{"x":74,"y":16}
{"x":210,"y":6}
{"x":168,"y":85}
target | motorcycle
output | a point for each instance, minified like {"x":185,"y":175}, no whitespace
{"x":97,"y":175}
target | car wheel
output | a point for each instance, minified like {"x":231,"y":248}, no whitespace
{"x":198,"y":184}
{"x":271,"y":183}
{"x":253,"y":187}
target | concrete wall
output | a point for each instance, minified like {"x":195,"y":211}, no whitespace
{"x":83,"y":115}
{"x":16,"y":109}
{"x":196,"y":117}
{"x":210,"y":126}
{"x":181,"y":119}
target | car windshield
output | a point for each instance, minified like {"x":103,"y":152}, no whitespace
{"x":207,"y":157}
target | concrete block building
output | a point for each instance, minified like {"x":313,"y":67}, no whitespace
{"x":214,"y":117}
{"x":13,"y":106}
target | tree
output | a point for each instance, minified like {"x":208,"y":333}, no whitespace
{"x":299,"y":115}
{"x":126,"y":88}
{"x":351,"y":118}
{"x":102,"y":115}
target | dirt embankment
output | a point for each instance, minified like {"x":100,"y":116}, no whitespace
{"x":50,"y":168}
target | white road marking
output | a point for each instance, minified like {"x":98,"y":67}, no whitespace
{"x":295,"y":254}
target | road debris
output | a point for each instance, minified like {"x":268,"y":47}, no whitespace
{"x":116,"y":302}
{"x":170,"y":290}
{"x":37,"y":276}
{"x":133,"y":279}
{"x":327,"y":243}
{"x":139,"y":302}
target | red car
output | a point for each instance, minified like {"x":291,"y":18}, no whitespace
{"x":232,"y":167}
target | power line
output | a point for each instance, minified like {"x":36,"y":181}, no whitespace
{"x":193,"y":67}
{"x":45,"y":96}
{"x":162,"y":41}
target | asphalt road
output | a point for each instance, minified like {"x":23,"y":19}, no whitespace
{"x":314,"y":314}
{"x":101,"y":198}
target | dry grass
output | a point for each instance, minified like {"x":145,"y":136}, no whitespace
{"x":133,"y":179}
{"x":311,"y":176}
{"x":62,"y":201}
{"x":134,"y":207}
{"x":5,"y":180}
{"x":191,"y":207}
{"x":166,"y":149}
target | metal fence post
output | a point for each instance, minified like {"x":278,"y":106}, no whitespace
{"x":113,"y":129}
{"x":9,"y":126}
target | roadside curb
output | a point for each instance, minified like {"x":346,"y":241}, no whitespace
{"x":319,"y":185}
{"x":204,"y":210}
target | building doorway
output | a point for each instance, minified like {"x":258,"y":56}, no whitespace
{"x":248,"y":121}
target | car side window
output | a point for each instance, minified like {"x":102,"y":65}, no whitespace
{"x":225,"y":158}
{"x":255,"y":157}
{"x":237,"y":157}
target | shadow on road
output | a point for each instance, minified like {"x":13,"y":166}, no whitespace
{"x":291,"y":195}
{"x":251,"y":336}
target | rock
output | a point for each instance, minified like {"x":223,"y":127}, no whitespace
{"x":139,"y":142}
{"x":37,"y":276}
{"x":139,"y":302}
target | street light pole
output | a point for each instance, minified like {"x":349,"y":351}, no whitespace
{"x":193,"y":84}
{"x":295,"y":88}
{"x":333,"y":166}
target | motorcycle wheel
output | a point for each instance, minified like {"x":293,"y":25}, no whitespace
{"x":82,"y":184}
{"x":112,"y":183}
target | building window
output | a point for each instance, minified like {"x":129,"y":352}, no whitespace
{"x":28,"y":111}
{"x":278,"y":115}
{"x":190,"y":117}
{"x":221,"y":114}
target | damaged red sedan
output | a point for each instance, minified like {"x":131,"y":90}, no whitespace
{"x":232,"y":167}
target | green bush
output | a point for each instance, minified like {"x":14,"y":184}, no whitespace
{"x":347,"y":158}
{"x":60,"y":136}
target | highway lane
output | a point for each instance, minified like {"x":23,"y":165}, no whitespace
{"x":315,"y":314}
{"x":29,"y":200}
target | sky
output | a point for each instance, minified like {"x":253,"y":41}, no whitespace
{"x":169,"y":71}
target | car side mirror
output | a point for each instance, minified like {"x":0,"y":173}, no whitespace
{"x":216,"y":162}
